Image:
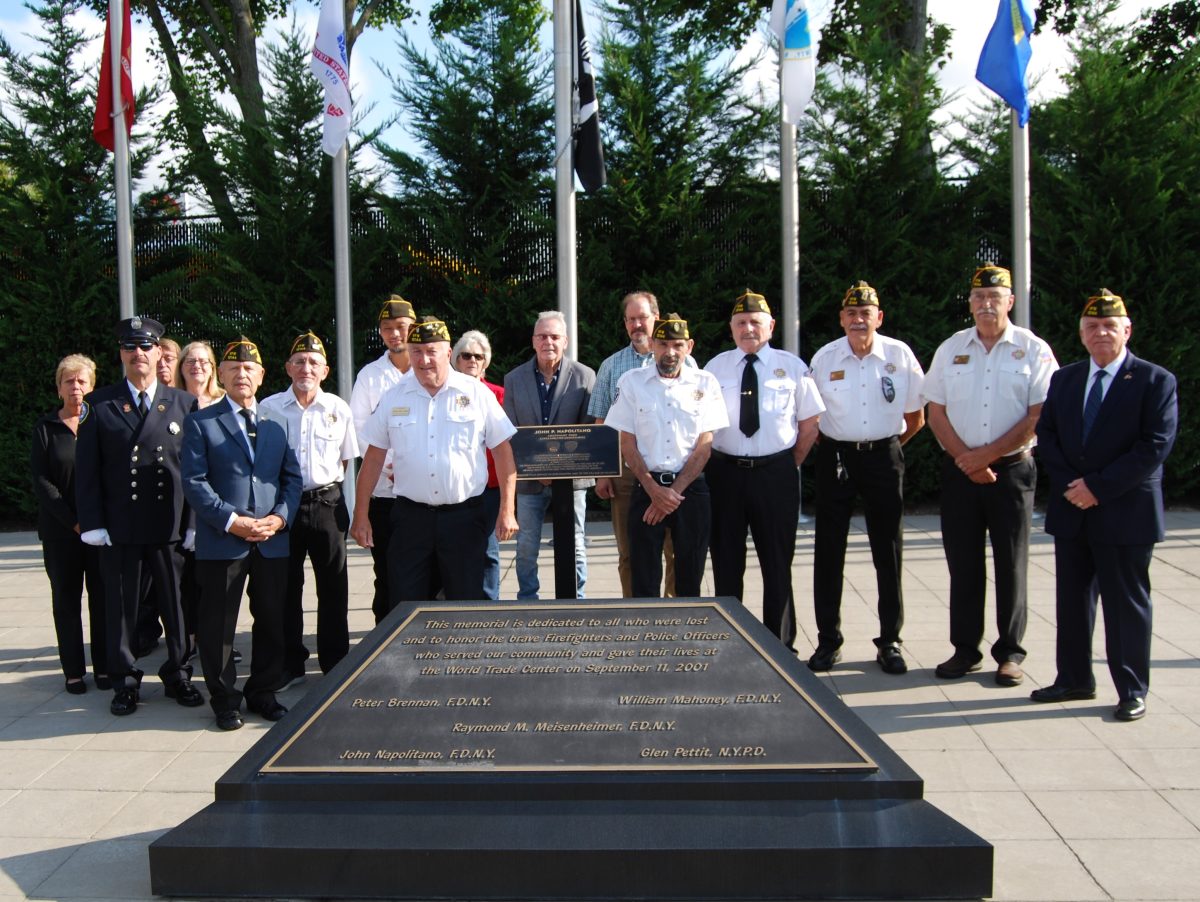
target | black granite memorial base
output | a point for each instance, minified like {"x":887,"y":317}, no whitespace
{"x":678,"y":752}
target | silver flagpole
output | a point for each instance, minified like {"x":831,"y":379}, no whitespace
{"x":1022,"y":261}
{"x":116,"y":23}
{"x":790,"y":235}
{"x":564,"y":175}
{"x":341,"y":292}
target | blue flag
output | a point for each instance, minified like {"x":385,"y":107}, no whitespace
{"x":1005,"y":56}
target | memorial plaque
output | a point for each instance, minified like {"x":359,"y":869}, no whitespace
{"x":611,"y":749}
{"x":541,"y":687}
{"x":586,"y":451}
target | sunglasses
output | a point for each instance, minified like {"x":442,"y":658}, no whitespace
{"x":136,"y":345}
{"x":467,"y":355}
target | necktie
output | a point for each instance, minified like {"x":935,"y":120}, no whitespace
{"x":748,"y":420}
{"x":251,"y":428}
{"x":143,"y":407}
{"x":1091,"y":406}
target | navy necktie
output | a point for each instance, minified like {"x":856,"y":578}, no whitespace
{"x":748,"y":418}
{"x":251,"y":427}
{"x":1091,"y":406}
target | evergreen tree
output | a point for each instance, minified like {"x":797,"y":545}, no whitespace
{"x":472,"y":210}
{"x":57,"y":247}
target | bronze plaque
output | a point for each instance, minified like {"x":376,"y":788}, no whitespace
{"x":542,"y":687}
{"x":567,"y":452}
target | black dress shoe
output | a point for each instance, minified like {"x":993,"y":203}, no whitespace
{"x":102,"y":681}
{"x":959,"y":665}
{"x":76,"y":687}
{"x":891,"y":660}
{"x":229,"y":720}
{"x":1131,"y":709}
{"x":268,"y":709}
{"x":1054,"y":693}
{"x":124,"y":702}
{"x":824,"y":658}
{"x":185,"y":694}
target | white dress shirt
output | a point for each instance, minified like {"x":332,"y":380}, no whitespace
{"x":323,"y":434}
{"x":787,"y":397}
{"x":373,"y":380}
{"x":857,"y":405}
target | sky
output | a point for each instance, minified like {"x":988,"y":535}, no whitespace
{"x":969,"y":20}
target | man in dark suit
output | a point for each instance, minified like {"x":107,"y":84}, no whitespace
{"x":549,"y":389}
{"x":243,"y":481}
{"x":1107,"y":426}
{"x":131,"y":505}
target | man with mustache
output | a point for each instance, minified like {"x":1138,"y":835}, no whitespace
{"x":753,"y":474}
{"x":666,"y":416}
{"x":984,"y":392}
{"x":639,"y":310}
{"x":871,"y":386}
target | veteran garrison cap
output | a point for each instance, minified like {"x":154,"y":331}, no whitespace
{"x":670,"y":328}
{"x":860,"y":294}
{"x":750,"y":302}
{"x":242,"y":350}
{"x":991,"y":276}
{"x":308,"y":342}
{"x":1105,"y":304}
{"x":429,"y":329}
{"x":395,"y":306}
{"x":139,"y":328}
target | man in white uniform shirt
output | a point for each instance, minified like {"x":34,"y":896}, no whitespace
{"x":396,"y":318}
{"x":985,"y":391}
{"x":437,"y":422}
{"x":753,"y":474}
{"x":666,"y":416}
{"x":871,"y":386}
{"x":321,"y":431}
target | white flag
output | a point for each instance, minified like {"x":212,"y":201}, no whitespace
{"x":332,"y":68}
{"x":790,"y":22}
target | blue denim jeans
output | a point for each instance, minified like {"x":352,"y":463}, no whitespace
{"x":531,"y":513}
{"x":491,"y":566}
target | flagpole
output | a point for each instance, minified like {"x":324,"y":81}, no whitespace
{"x":124,"y":225}
{"x":564,"y":175}
{"x":1022,"y":257}
{"x":342,"y":315}
{"x":790,"y":234}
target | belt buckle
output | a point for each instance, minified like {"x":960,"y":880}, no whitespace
{"x":665,"y":478}
{"x":745,"y":463}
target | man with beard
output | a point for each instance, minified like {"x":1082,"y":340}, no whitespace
{"x":438,"y":423}
{"x":130,"y":502}
{"x":666,"y":416}
{"x":984,"y":392}
{"x":396,"y":318}
{"x":322,"y":436}
{"x":639,"y":310}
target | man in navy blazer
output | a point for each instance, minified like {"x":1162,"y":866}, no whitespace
{"x":1107,"y":426}
{"x":549,"y":389}
{"x":242,"y":479}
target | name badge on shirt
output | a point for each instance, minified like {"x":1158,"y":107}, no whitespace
{"x":961,"y":359}
{"x":837,"y":375}
{"x":399,"y":411}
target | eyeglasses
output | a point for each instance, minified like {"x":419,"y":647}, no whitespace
{"x":546,"y":336}
{"x":136,"y":345}
{"x":467,"y":355}
{"x":197,"y":363}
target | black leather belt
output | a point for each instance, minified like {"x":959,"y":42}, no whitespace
{"x":662,"y":478}
{"x":749,"y":463}
{"x":324,"y":493}
{"x":877,"y":445}
{"x":470,"y":502}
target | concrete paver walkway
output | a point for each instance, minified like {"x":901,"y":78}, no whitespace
{"x":1078,"y":805}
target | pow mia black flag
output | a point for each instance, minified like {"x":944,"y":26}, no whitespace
{"x":588,"y":151}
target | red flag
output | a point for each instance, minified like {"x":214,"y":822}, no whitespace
{"x":102,"y":125}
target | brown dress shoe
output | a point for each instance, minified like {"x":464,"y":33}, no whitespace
{"x":958,"y":666}
{"x":1009,"y":674}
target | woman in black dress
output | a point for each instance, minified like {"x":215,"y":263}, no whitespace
{"x":69,"y":562}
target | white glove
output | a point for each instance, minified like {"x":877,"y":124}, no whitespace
{"x":95,"y":537}
{"x":189,"y":540}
